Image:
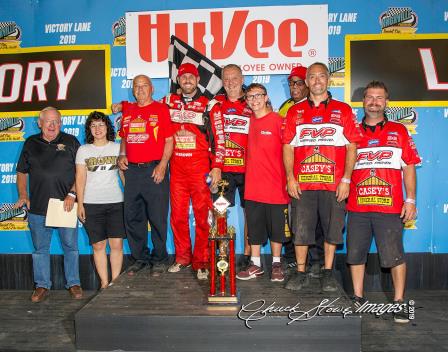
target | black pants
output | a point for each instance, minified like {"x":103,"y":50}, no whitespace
{"x":146,"y":201}
{"x":315,"y":252}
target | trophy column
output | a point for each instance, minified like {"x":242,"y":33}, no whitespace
{"x":222,"y":258}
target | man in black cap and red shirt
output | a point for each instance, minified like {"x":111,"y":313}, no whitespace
{"x":198,"y":151}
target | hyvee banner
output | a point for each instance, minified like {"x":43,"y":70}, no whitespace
{"x":262,"y":40}
{"x":74,"y":79}
{"x":414,"y":67}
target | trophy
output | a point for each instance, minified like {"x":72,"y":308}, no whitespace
{"x":222,"y":258}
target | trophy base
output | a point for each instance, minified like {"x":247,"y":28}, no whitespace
{"x":218,"y":299}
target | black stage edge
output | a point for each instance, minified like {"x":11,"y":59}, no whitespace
{"x":425,"y":271}
{"x":169,"y":313}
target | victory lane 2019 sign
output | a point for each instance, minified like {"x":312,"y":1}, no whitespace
{"x":74,"y":79}
{"x":412,"y":66}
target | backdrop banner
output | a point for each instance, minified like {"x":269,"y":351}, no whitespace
{"x":413,"y":66}
{"x":76,"y":79}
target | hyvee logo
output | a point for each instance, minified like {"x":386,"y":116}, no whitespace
{"x":379,"y":155}
{"x":315,"y":132}
{"x":260,"y":39}
{"x":256,"y":42}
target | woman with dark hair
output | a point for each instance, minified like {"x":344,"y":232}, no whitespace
{"x":100,"y":198}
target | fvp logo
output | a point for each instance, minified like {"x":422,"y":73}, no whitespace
{"x":372,"y":156}
{"x":236,"y":122}
{"x":318,"y":132}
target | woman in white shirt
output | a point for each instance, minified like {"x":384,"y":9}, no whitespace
{"x":100,"y":198}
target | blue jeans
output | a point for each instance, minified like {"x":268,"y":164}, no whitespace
{"x":41,"y":236}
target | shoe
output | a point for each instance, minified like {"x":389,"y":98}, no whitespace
{"x":292,"y":265}
{"x":158,"y":269}
{"x":176,"y":267}
{"x":243,"y":262}
{"x":315,"y":271}
{"x":135,"y":268}
{"x":75,"y":292}
{"x":202,"y":274}
{"x":277,"y":274}
{"x":251,"y":272}
{"x":298,"y":281}
{"x":358,"y":301}
{"x":39,"y":294}
{"x":327,"y":281}
{"x":402,"y":316}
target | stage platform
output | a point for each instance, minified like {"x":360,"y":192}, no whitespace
{"x":169,"y":313}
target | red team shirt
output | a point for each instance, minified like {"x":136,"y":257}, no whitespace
{"x":265,"y":174}
{"x":187,"y":119}
{"x":319,"y":136}
{"x":377,"y":178}
{"x":236,"y":115}
{"x":145,"y":129}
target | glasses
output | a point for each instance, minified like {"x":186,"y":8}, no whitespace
{"x":298,"y":83}
{"x":255,"y":96}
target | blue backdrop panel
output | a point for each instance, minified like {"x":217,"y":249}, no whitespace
{"x":53,"y":22}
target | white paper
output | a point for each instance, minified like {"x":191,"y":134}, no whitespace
{"x":58,"y":217}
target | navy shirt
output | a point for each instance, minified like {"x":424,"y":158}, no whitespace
{"x":50,"y":167}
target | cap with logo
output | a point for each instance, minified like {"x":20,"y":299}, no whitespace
{"x":187,"y":68}
{"x":299,"y":71}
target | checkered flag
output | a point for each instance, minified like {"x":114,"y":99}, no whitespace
{"x":392,"y":11}
{"x":180,"y":52}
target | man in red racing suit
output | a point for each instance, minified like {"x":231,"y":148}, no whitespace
{"x":198,"y":151}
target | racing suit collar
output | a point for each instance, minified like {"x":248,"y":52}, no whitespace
{"x":194,"y":97}
{"x":372,"y":128}
{"x":325,"y":102}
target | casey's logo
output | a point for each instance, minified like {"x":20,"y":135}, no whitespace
{"x":317,"y":132}
{"x":371,"y":156}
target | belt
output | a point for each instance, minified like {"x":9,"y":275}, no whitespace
{"x":144,"y":165}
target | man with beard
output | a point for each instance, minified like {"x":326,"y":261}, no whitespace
{"x":198,"y":152}
{"x":376,"y":201}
